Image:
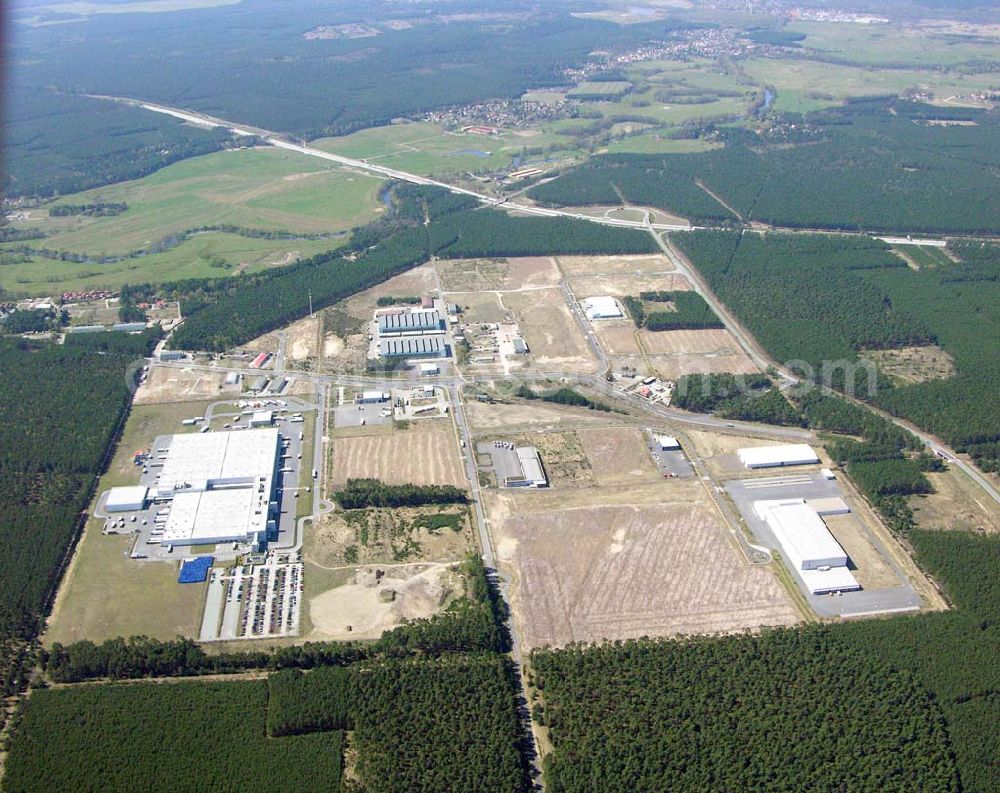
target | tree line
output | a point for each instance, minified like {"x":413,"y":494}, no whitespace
{"x":365,"y":493}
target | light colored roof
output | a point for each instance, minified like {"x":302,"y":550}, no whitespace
{"x":668,"y":442}
{"x":605,"y":306}
{"x":223,"y":457}
{"x":124,"y":497}
{"x":531,"y":464}
{"x":804,"y":537}
{"x":829,"y":506}
{"x":412,"y":345}
{"x":836,"y":579}
{"x":429,"y":367}
{"x":417,"y":319}
{"x":215,"y":516}
{"x":786,"y":454}
{"x":262,"y":417}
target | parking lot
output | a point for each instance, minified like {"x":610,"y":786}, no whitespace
{"x":254,"y":601}
{"x":503,"y":459}
{"x":364,"y":415}
{"x":813,"y":485}
{"x":672,"y":463}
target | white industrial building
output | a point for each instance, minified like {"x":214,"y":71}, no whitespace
{"x":126,"y":499}
{"x":429,"y":368}
{"x":413,"y":347}
{"x":778,"y":456}
{"x":808,"y":545}
{"x":602,"y":308}
{"x":221,"y":488}
{"x":532,"y":473}
{"x":668,"y":443}
{"x":371,"y":397}
{"x":262,"y":418}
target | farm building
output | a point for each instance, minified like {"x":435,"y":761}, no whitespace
{"x":808,"y":545}
{"x":417,"y":320}
{"x":602,"y":308}
{"x":221,"y":488}
{"x":126,"y":499}
{"x":778,"y":456}
{"x":413,"y":347}
{"x":667,"y":443}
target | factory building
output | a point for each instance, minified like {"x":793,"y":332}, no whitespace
{"x":808,"y":545}
{"x":221,"y":488}
{"x":262,"y":418}
{"x":602,"y":308}
{"x":413,"y":347}
{"x":667,"y":443}
{"x":778,"y":456}
{"x":371,"y":397}
{"x":126,"y":499}
{"x":415,"y":321}
{"x":532,"y":473}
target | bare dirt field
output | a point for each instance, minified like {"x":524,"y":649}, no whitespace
{"x":418,"y":281}
{"x":552,"y":335}
{"x":426,"y":453}
{"x":374,"y":603}
{"x":303,"y":338}
{"x":914,"y":364}
{"x":956,"y":503}
{"x":515,"y":416}
{"x":617,"y":338}
{"x":479,"y":306}
{"x":619,"y":456}
{"x":477,"y":275}
{"x":618,"y":564}
{"x":623,"y":265}
{"x":165,"y":384}
{"x":621,"y":285}
{"x":868,"y":566}
{"x":374,"y":536}
{"x":532,"y":271}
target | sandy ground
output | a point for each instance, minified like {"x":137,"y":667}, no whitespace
{"x":914,"y":364}
{"x":554,"y":338}
{"x":512,"y":417}
{"x":621,"y":285}
{"x":619,"y":456}
{"x":181,"y":385}
{"x":418,"y":281}
{"x":302,"y":339}
{"x":868,"y":566}
{"x":956,"y":503}
{"x":384,"y":529}
{"x":474,"y":275}
{"x":643,"y":565}
{"x":424,"y":454}
{"x":626,"y":265}
{"x":479,"y":307}
{"x":359,"y":610}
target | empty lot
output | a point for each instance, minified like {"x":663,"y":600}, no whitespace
{"x":618,"y":456}
{"x":617,"y":564}
{"x":424,"y":454}
{"x":552,"y":334}
{"x":626,"y":265}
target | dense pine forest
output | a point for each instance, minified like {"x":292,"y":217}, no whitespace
{"x":58,"y":419}
{"x":907,"y":703}
{"x":875,"y":165}
{"x":823,"y":301}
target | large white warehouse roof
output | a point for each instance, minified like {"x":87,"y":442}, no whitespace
{"x":125,"y":499}
{"x":807,"y":544}
{"x":776,"y":456}
{"x":601,"y":308}
{"x":195,"y":462}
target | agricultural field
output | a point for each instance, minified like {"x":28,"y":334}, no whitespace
{"x":427,"y":148}
{"x":657,"y":143}
{"x":424,"y":453}
{"x":621,"y":562}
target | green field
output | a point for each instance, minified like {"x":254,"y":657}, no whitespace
{"x":924,"y":256}
{"x":609,"y":89}
{"x":197,"y":257}
{"x":653,"y":143}
{"x":804,"y":85}
{"x":253,"y":188}
{"x":882,"y":45}
{"x":426,"y":148}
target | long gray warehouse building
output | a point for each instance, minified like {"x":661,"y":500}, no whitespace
{"x":413,"y":347}
{"x":420,"y":321}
